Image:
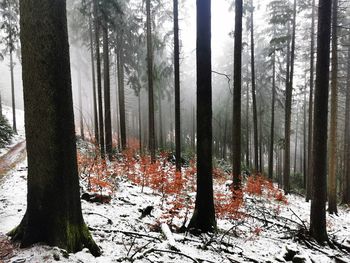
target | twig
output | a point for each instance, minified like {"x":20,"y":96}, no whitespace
{"x":298,"y":218}
{"x":151,"y":250}
{"x":110,"y":222}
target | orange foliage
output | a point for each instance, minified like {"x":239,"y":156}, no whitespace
{"x":227,"y":206}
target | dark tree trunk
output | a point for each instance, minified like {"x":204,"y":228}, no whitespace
{"x":121,"y":95}
{"x":346,"y":180}
{"x":255,"y":114}
{"x":107,"y":91}
{"x":237,"y":87}
{"x":288,"y":108}
{"x":152,"y":137}
{"x":177,"y":88}
{"x":332,"y":181}
{"x":304,"y":141}
{"x":319,"y":147}
{"x":272,"y":130}
{"x":93,"y":83}
{"x":99,"y":80}
{"x":309,"y":147}
{"x":161,"y":143}
{"x":296,"y":144}
{"x":248,"y":130}
{"x":261,"y":152}
{"x":203,"y":219}
{"x":53,"y":213}
{"x":140,"y":121}
{"x":193,"y":128}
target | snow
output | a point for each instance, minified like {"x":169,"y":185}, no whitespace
{"x":267,"y":235}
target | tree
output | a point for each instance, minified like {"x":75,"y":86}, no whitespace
{"x":203,"y":219}
{"x":319,"y":146}
{"x":236,"y":131}
{"x":332,"y":178}
{"x":152,"y":138}
{"x":309,"y":150}
{"x":9,"y":11}
{"x":53,"y":212}
{"x":177,"y":88}
{"x":106,"y":85}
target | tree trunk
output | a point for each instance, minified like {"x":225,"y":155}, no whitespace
{"x":288,"y":108}
{"x":332,"y":178}
{"x":236,"y":129}
{"x":99,"y":81}
{"x":346,"y":180}
{"x":107,"y":91}
{"x":81,"y":120}
{"x":310,"y":130}
{"x":248,"y":130}
{"x":296,"y":144}
{"x":203,"y":219}
{"x":255,"y":114}
{"x":304,"y":141}
{"x":93,"y":83}
{"x":53,"y":214}
{"x":177,"y":88}
{"x":152,"y":138}
{"x":120,"y":62}
{"x":272,"y":130}
{"x":161,"y":143}
{"x":140,"y":122}
{"x":14,"y":126}
{"x":319,"y":146}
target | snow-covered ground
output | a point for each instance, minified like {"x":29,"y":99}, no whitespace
{"x":268,"y":236}
{"x":7,"y":112}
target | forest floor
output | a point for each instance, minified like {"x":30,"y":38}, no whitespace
{"x":138,"y":210}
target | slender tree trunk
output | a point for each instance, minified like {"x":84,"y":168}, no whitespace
{"x":120,"y":65}
{"x":203,"y":219}
{"x":193,"y":128}
{"x":224,"y":141}
{"x":152,"y":139}
{"x":53,"y":214}
{"x":346,"y":179}
{"x":81,"y":120}
{"x":177,"y":88}
{"x":332,"y":178}
{"x":272,"y":130}
{"x":99,"y":80}
{"x":310,"y":129}
{"x":255,"y":114}
{"x":107,"y":91}
{"x":161,"y":141}
{"x":236,"y":131}
{"x":288,"y":109}
{"x":296,"y":144}
{"x":248,"y":130}
{"x":319,"y":194}
{"x":304,"y":141}
{"x":14,"y":126}
{"x":93,"y":83}
{"x":140,"y":122}
{"x":261,"y":151}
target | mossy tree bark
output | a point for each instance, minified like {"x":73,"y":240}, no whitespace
{"x":203,"y":219}
{"x":53,"y":212}
{"x":319,"y":146}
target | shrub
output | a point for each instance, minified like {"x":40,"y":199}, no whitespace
{"x":6,"y":132}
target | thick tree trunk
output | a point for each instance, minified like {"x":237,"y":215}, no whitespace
{"x":203,"y":219}
{"x":332,"y":178}
{"x":272,"y":130}
{"x":310,"y":130}
{"x":152,"y":137}
{"x":107,"y":91}
{"x":177,"y":88}
{"x":319,"y":146}
{"x":99,"y":80}
{"x":93,"y":83}
{"x":53,"y":213}
{"x":255,"y":114}
{"x":236,"y":131}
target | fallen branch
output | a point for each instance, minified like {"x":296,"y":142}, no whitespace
{"x":109,"y":221}
{"x":151,"y":250}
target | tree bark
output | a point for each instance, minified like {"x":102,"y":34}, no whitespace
{"x":203,"y":219}
{"x":53,"y":214}
{"x":122,"y":118}
{"x":81,"y":120}
{"x":332,"y":178}
{"x":107,"y":91}
{"x":310,"y":129}
{"x":152,"y":138}
{"x":93,"y":83}
{"x":346,"y":179}
{"x":272,"y":130}
{"x":99,"y":81}
{"x":255,"y":114}
{"x":177,"y":88}
{"x":236,"y":128}
{"x":319,"y":146}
